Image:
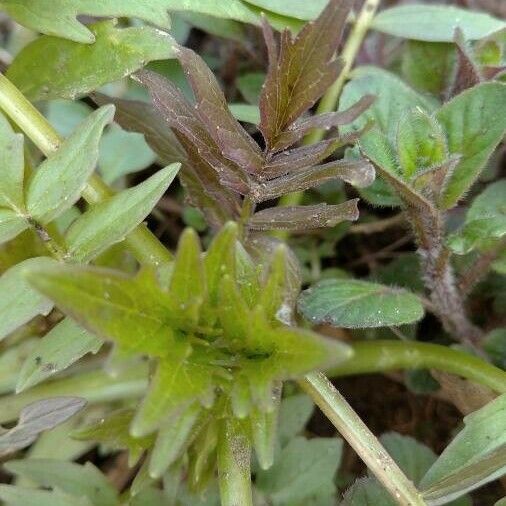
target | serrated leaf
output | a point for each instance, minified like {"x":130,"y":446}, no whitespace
{"x":11,"y":167}
{"x":73,"y":479}
{"x":171,"y":441}
{"x":58,"y":17}
{"x":51,"y":67}
{"x":304,"y":217}
{"x":482,"y":438}
{"x":427,"y":66}
{"x":63,"y":345}
{"x":359,"y":304}
{"x":421,"y":143}
{"x":58,"y":182}
{"x":485,"y":221}
{"x":113,"y":430}
{"x":178,"y":381}
{"x":36,"y":418}
{"x":19,"y":302}
{"x":475,"y":122}
{"x":20,"y":496}
{"x":11,"y":225}
{"x":302,"y":70}
{"x":133,"y":312}
{"x":304,"y":468}
{"x":435,"y":23}
{"x":110,"y":221}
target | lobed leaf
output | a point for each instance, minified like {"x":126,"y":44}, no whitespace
{"x":110,"y":221}
{"x":302,"y":70}
{"x":58,"y":182}
{"x":351,"y":303}
{"x":50,"y":67}
{"x":475,"y":123}
{"x":36,"y":418}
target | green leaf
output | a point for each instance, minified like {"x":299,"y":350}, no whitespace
{"x":494,"y":344}
{"x":359,"y":304}
{"x":435,"y":23}
{"x":421,"y":143}
{"x":428,"y":66}
{"x":250,"y":86}
{"x":300,"y":9}
{"x":58,"y":182}
{"x":178,"y":381}
{"x":11,"y":225}
{"x":475,"y":122}
{"x":36,"y":418}
{"x":58,"y":349}
{"x":11,"y":167}
{"x":58,"y":17}
{"x":66,"y":115}
{"x":110,"y":221}
{"x":51,"y":67}
{"x":20,"y":496}
{"x":474,"y":457}
{"x":304,"y":469}
{"x":19,"y":302}
{"x":295,"y":412}
{"x":73,"y":479}
{"x":367,"y":492}
{"x":485,"y":221}
{"x":122,"y":153}
{"x":246,"y":113}
{"x":133,"y":312}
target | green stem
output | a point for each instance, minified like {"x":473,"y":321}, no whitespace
{"x":381,"y":356}
{"x":143,"y":243}
{"x":361,"y":439}
{"x":234,"y":455}
{"x":328,"y":103}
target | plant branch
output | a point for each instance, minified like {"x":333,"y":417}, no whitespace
{"x":381,"y":356}
{"x":363,"y":441}
{"x":373,"y":227}
{"x":141,"y":242}
{"x":329,"y":101}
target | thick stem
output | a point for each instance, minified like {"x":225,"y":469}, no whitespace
{"x":362,"y":440}
{"x":234,"y":456}
{"x":143,"y":244}
{"x":382,"y":356}
{"x":329,"y":101}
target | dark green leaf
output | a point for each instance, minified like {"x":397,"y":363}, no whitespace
{"x":475,"y":122}
{"x":359,"y":304}
{"x":58,"y":182}
{"x":51,"y":67}
{"x":435,"y":23}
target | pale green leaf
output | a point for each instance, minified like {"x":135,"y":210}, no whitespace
{"x":250,"y":86}
{"x":110,"y":221}
{"x":485,"y":220}
{"x":58,"y":17}
{"x":11,"y":361}
{"x":66,"y":343}
{"x":122,"y":153}
{"x":435,"y":23}
{"x":300,"y":9}
{"x":481,"y":443}
{"x":247,"y":113}
{"x":178,"y":381}
{"x":11,"y":167}
{"x":19,"y":302}
{"x":11,"y":224}
{"x":73,"y":479}
{"x":36,"y":418}
{"x":304,"y":469}
{"x":367,"y":492}
{"x":359,"y":304}
{"x":133,"y":312}
{"x":51,"y":67}
{"x":65,"y":115}
{"x":295,"y":412}
{"x":58,"y":182}
{"x":226,"y":28}
{"x":20,"y":496}
{"x":475,"y":123}
{"x":494,"y":343}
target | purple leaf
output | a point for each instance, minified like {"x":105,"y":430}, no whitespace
{"x":304,"y":217}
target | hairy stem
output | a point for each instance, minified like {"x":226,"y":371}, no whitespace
{"x":382,"y":356}
{"x":143,"y":244}
{"x":234,"y":455}
{"x":363,"y":441}
{"x":329,"y":101}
